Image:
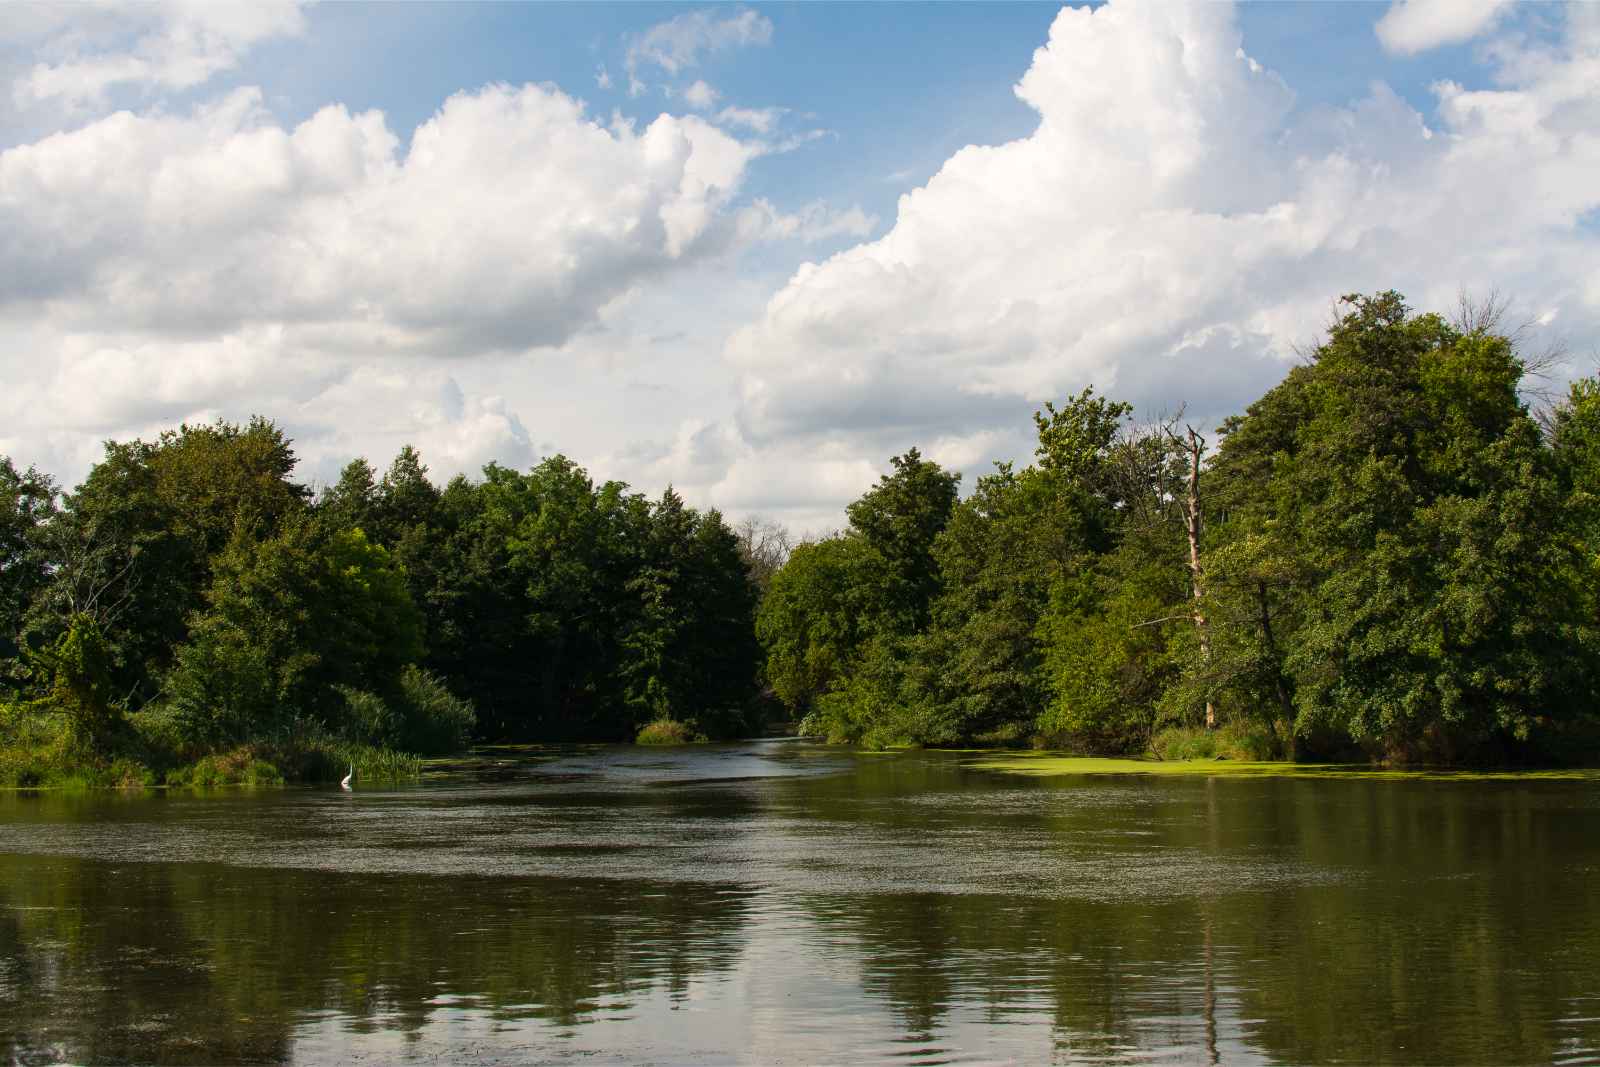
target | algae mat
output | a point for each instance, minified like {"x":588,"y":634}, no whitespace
{"x":1048,"y":765}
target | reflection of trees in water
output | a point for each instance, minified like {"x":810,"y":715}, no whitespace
{"x":202,"y":963}
{"x":1455,"y":922}
{"x":1472,"y":923}
{"x":1101,"y":971}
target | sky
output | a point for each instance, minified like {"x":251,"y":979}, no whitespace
{"x":754,"y":251}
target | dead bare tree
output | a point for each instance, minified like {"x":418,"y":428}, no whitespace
{"x":1193,"y":447}
{"x":765,"y":546}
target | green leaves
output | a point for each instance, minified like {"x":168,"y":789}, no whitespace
{"x":1394,"y":557}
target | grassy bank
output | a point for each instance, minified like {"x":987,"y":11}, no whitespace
{"x":39,"y":751}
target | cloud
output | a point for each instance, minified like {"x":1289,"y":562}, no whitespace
{"x":511,"y":222}
{"x":700,"y":96}
{"x":680,"y":43}
{"x":1412,"y":26}
{"x":759,"y":120}
{"x":517,"y":276}
{"x":421,"y":406}
{"x":814,"y":222}
{"x":169,"y":46}
{"x":1172,"y":230}
{"x":166,"y":266}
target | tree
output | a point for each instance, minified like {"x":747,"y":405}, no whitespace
{"x":690,"y":653}
{"x":75,"y":671}
{"x":813,"y":620}
{"x":764,"y":546}
{"x":352,"y":501}
{"x":1411,"y":485}
{"x":898,"y":519}
{"x":133,"y":545}
{"x":27,"y":507}
{"x":287,"y":621}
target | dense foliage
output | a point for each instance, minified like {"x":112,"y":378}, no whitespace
{"x":1386,"y":554}
{"x":191,"y":599}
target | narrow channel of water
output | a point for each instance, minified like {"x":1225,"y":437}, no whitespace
{"x":789,"y":903}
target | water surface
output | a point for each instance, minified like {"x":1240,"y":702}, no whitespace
{"x":787,"y":903}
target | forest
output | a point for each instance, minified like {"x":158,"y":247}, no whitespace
{"x":1390,"y":555}
{"x":191,"y":610}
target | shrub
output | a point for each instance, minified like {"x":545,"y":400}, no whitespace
{"x":436,"y":721}
{"x":1234,"y":741}
{"x":367,"y":719}
{"x":667,"y":732}
{"x":221,"y":686}
{"x":238,"y":766}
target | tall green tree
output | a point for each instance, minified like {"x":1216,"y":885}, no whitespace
{"x":899,"y":518}
{"x":27,"y":506}
{"x":133,"y":546}
{"x":287,"y":621}
{"x":1414,"y":490}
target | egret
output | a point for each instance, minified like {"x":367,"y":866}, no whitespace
{"x":345,"y":782}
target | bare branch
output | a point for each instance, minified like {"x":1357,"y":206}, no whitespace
{"x":1186,"y":617}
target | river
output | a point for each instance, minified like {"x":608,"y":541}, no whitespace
{"x":781,"y":902}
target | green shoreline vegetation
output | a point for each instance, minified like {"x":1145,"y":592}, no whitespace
{"x":191,"y":615}
{"x":1386,"y":559}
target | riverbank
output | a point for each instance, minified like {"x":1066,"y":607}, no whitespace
{"x":40,"y":753}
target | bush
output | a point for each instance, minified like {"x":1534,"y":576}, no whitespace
{"x":36,"y":746}
{"x":422,"y":716}
{"x":437,"y":722}
{"x":239,"y":766}
{"x":221,"y":687}
{"x":158,"y":732}
{"x":667,"y":732}
{"x":1233,"y":741}
{"x":367,"y":719}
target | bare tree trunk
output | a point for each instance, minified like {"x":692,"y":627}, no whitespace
{"x":1196,"y":448}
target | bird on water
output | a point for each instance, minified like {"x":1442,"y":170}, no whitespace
{"x":345,"y":782}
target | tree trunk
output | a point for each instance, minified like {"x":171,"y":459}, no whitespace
{"x":1284,"y":700}
{"x":1196,"y":449}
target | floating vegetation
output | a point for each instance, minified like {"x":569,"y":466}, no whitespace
{"x":1050,"y":765}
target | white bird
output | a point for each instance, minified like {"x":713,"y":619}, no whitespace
{"x":345,"y":782}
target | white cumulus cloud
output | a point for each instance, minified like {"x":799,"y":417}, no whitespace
{"x":161,"y":266}
{"x":510,"y":221}
{"x":1412,"y":26}
{"x":1170,"y":232}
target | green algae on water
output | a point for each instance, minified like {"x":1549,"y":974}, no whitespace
{"x":1050,"y":765}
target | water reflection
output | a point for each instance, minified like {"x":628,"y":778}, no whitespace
{"x":790,"y":904}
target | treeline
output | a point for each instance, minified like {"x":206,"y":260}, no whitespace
{"x":1386,"y":555}
{"x":191,"y":597}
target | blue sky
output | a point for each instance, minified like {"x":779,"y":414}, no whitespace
{"x":753,"y":250}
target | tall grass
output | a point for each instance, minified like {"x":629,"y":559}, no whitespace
{"x":1233,"y":741}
